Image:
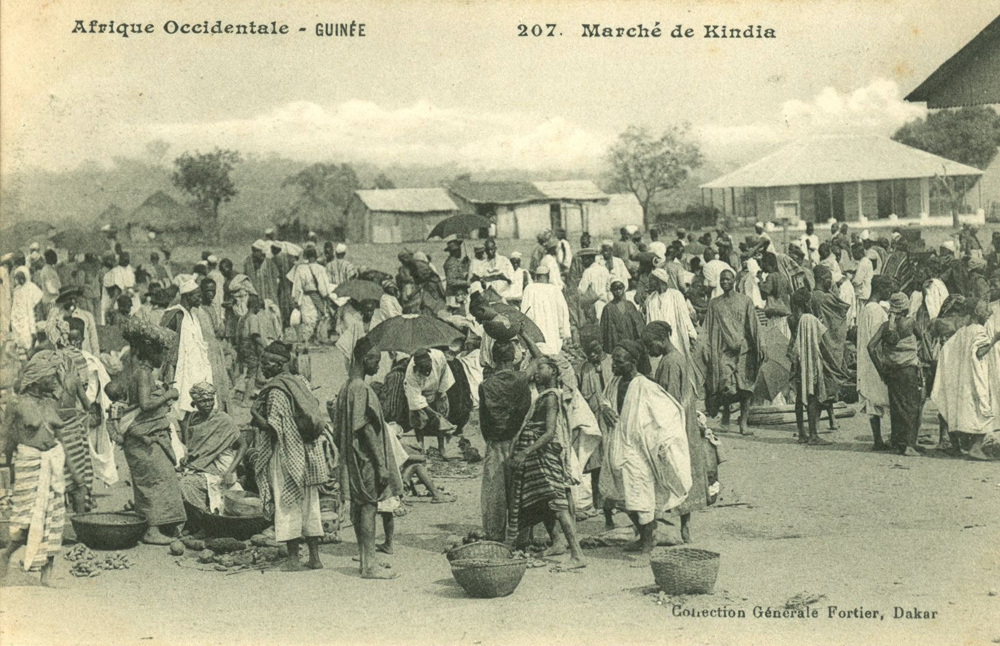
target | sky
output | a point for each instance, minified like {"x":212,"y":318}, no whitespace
{"x":452,"y":82}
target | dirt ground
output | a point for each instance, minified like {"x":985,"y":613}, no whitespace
{"x":864,"y":530}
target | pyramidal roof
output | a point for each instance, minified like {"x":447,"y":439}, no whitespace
{"x":831,"y":159}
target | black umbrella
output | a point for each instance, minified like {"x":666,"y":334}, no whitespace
{"x":360,"y":290}
{"x":411,"y":332}
{"x":459,"y":225}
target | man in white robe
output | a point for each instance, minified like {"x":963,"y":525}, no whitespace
{"x":963,"y":398}
{"x":311,"y":293}
{"x":872,"y":391}
{"x":426,"y":384}
{"x":595,"y":279}
{"x":545,"y":304}
{"x":615,"y":265}
{"x":670,"y":306}
{"x":646,"y":465}
{"x":191,"y":365}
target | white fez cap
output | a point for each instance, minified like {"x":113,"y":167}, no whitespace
{"x":186,"y":284}
{"x":341,"y":248}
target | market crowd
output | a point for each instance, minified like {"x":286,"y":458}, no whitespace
{"x":594,"y":369}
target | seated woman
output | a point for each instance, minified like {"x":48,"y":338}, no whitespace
{"x":214,"y":447}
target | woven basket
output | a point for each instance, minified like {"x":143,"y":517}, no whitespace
{"x":684,"y":570}
{"x":488,"y":579}
{"x":480,"y":550}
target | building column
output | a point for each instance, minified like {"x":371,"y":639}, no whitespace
{"x":925,"y":195}
{"x":861,"y":199}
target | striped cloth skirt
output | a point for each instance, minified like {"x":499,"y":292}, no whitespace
{"x":38,"y":503}
{"x":73,"y":437}
{"x":540,"y":487}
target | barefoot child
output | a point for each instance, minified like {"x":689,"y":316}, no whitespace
{"x":364,"y":445}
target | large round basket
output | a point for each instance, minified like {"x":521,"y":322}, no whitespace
{"x":488,"y":579}
{"x":481,"y":550}
{"x":118,"y":530}
{"x":685,"y":570}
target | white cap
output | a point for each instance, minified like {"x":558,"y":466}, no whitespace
{"x":759,"y":225}
{"x":212,"y":260}
{"x":607,"y":244}
{"x":949,"y":245}
{"x":34,"y":246}
{"x":260,"y":245}
{"x":201,"y":263}
{"x":866,"y":235}
{"x":341,"y":248}
{"x":186,"y":284}
{"x":6,"y":257}
{"x":106,"y":228}
{"x":421,"y":256}
{"x":269,"y":231}
{"x":312,"y":234}
{"x":660,"y":274}
{"x":896,"y":235}
{"x":516,"y":254}
{"x":631,"y":229}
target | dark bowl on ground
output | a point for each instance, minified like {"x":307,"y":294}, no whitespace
{"x":116,"y":530}
{"x":217,"y":526}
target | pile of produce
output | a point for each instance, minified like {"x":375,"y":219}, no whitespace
{"x":231,"y":555}
{"x":86,"y":563}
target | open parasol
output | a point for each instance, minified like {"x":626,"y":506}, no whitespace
{"x":359,"y":290}
{"x":528,"y":327}
{"x":459,"y":225}
{"x":411,"y":332}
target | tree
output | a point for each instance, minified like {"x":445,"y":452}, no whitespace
{"x":205,"y":177}
{"x":382,"y":182}
{"x":327,"y":189}
{"x":648,"y":167}
{"x":967,"y":135}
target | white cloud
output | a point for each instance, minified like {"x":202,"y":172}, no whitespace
{"x":419,"y":133}
{"x":877,"y":108}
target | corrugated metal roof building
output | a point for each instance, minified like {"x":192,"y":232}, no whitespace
{"x":525,"y":209}
{"x":970,"y":77}
{"x":840,"y":177}
{"x":397,"y":214}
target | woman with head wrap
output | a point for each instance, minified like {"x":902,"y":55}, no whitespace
{"x":894,"y":349}
{"x":673,"y":374}
{"x":647,"y":468}
{"x":32,"y":447}
{"x":146,"y":433}
{"x":213,"y":450}
{"x":963,"y":399}
{"x":733,"y":352}
{"x":539,"y":475}
{"x":620,"y":319}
